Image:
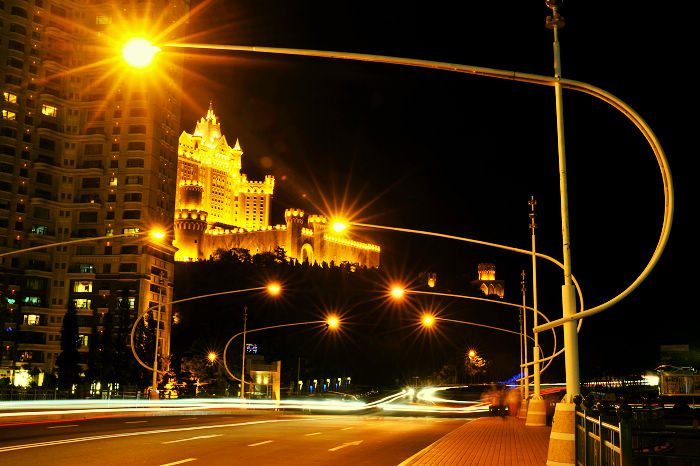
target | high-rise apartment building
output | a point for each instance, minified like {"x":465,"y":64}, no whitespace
{"x":87,"y":149}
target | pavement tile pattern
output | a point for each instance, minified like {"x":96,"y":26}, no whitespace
{"x":488,"y":441}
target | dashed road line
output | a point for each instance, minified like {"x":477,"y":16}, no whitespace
{"x":193,"y":438}
{"x":187,"y":460}
{"x":312,"y":433}
{"x":134,"y":422}
{"x":346,"y":428}
{"x":60,"y":427}
{"x":260,"y":443}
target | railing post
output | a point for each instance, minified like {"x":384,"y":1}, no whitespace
{"x":624,"y":414}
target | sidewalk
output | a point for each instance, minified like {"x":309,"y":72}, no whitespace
{"x":488,"y":441}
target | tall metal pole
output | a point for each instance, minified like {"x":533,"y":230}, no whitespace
{"x":536,"y":348}
{"x":526,"y":375}
{"x":562,"y":441}
{"x":154,"y":386}
{"x":245,"y":321}
{"x":568,"y":292}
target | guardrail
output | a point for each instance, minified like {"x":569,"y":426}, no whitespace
{"x":623,"y":436}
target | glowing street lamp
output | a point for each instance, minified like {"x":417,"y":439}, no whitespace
{"x":427,"y":320}
{"x":397,"y":292}
{"x":332,"y":322}
{"x":154,"y":368}
{"x":212,"y":356}
{"x":138,"y":52}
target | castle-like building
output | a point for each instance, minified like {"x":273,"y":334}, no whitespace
{"x":217,"y":207}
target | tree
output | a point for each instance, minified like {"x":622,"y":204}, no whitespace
{"x":68,"y":362}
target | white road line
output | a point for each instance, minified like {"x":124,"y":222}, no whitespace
{"x":312,"y":433}
{"x":143,"y":432}
{"x":60,"y":427}
{"x":260,"y":443}
{"x":193,"y":438}
{"x":355,"y":443}
{"x":346,"y":428}
{"x":179,"y":462}
{"x":134,"y":422}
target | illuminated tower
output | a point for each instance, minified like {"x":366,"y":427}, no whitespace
{"x":212,"y":191}
{"x":487,"y":282}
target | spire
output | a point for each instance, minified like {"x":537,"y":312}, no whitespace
{"x":210,"y":112}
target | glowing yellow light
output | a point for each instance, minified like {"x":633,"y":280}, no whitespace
{"x":472,"y":353}
{"x":274,"y":289}
{"x":212,"y":357}
{"x":158,"y":234}
{"x":428,"y":320}
{"x":138,"y":52}
{"x":397,"y":292}
{"x":333,"y":322}
{"x":339,"y":226}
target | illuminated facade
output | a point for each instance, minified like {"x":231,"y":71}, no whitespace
{"x":85,"y":151}
{"x":487,"y":282}
{"x":218,"y":208}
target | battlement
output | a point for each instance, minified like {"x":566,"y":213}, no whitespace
{"x":217,"y":231}
{"x":317,"y":218}
{"x":352,"y":244}
{"x":294,"y":213}
{"x":191,"y":214}
{"x":486,"y":271}
{"x":191,"y":184}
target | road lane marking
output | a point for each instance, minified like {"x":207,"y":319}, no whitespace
{"x":193,"y":438}
{"x":355,"y":443}
{"x":179,"y":462}
{"x":134,"y":422}
{"x":60,"y":427}
{"x":312,"y":433}
{"x":346,"y":428}
{"x":260,"y":443}
{"x":144,"y":432}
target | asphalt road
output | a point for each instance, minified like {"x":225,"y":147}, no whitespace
{"x":239,"y":439}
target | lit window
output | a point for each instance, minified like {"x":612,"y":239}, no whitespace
{"x":101,"y":19}
{"x":31,"y":319}
{"x":10,"y":97}
{"x":49,"y":110}
{"x":82,"y":340}
{"x":82,"y":286}
{"x":82,"y":303}
{"x":8,"y":115}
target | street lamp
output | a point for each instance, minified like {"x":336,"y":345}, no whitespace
{"x":548,"y":359}
{"x":331,"y":322}
{"x":138,"y":52}
{"x":157,"y":234}
{"x":154,"y":368}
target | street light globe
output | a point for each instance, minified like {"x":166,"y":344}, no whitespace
{"x":139,"y":52}
{"x":274,"y":289}
{"x":339,"y":226}
{"x":333,"y":322}
{"x":428,"y":320}
{"x":397,"y":292}
{"x":212,"y":357}
{"x":472,"y":353}
{"x":158,"y":234}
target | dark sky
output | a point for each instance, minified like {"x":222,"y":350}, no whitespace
{"x":461,"y":155}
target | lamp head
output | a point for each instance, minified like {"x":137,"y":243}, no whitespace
{"x":139,"y":52}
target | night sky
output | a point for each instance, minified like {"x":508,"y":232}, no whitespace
{"x":461,"y":155}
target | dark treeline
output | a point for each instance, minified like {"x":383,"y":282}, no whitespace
{"x":380,"y":340}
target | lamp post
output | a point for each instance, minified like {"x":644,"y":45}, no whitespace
{"x":398,"y":292}
{"x":157,"y":234}
{"x":332,"y":322}
{"x":245,"y":321}
{"x":272,"y":289}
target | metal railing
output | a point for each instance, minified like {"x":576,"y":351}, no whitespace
{"x":622,"y":436}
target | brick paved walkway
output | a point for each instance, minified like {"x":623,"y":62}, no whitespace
{"x":488,"y":441}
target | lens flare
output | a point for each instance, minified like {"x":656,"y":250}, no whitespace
{"x":139,"y":52}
